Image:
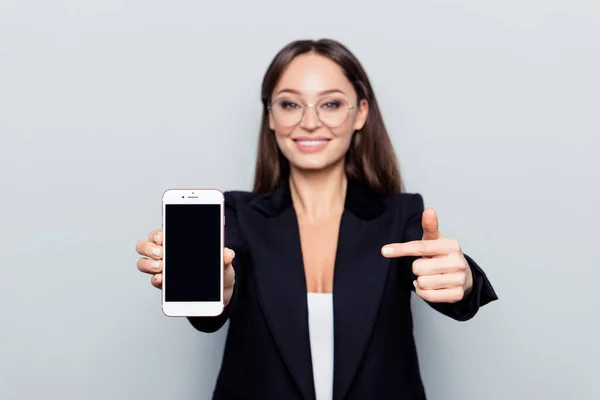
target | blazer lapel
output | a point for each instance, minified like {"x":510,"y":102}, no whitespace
{"x":281,"y":286}
{"x":360,"y":274}
{"x":359,"y":278}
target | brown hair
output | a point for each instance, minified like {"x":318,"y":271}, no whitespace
{"x":370,"y":159}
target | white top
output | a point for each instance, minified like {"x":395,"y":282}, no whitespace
{"x":320,"y":323}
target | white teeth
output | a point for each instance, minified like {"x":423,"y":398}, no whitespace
{"x":311,"y":142}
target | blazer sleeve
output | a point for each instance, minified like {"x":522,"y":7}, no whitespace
{"x":233,"y":240}
{"x":482,"y":292}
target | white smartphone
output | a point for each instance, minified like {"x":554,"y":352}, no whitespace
{"x":193,"y":239}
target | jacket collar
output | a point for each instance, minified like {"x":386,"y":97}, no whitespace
{"x":360,"y":200}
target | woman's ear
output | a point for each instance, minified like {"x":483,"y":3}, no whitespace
{"x":362,"y":112}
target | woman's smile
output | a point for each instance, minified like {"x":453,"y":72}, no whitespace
{"x":311,"y":144}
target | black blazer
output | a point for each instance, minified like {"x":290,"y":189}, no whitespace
{"x":267,"y":353}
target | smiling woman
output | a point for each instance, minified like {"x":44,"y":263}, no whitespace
{"x":323,"y":255}
{"x":320,"y":110}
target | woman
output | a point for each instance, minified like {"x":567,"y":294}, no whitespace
{"x":323,"y":255}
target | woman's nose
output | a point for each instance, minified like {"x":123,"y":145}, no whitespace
{"x":310,"y":119}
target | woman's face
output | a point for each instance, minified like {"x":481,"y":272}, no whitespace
{"x":315,"y":112}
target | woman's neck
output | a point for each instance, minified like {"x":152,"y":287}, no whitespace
{"x":319,"y":194}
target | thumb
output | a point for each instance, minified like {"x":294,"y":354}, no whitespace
{"x":228,"y":256}
{"x":430,"y":225}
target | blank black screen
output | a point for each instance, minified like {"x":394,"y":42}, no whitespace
{"x":192,"y":252}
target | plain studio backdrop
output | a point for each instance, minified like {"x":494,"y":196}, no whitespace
{"x":493,"y":108}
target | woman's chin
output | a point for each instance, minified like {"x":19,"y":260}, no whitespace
{"x":313,"y":165}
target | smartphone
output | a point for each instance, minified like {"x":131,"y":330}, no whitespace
{"x":193,"y":239}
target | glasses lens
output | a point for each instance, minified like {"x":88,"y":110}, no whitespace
{"x":333,"y":111}
{"x":287,"y":111}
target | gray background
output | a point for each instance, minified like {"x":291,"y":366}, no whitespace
{"x":493,"y":107}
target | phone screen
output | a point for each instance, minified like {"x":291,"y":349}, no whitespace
{"x":192,"y":252}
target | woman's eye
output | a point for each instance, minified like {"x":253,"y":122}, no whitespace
{"x":331,"y":104}
{"x":288,"y":104}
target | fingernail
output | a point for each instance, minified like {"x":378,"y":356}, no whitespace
{"x":388,"y":250}
{"x":154,"y":264}
{"x":156,"y":251}
{"x":415,"y":284}
{"x":156,"y":238}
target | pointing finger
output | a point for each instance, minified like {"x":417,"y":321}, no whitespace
{"x":421,"y":248}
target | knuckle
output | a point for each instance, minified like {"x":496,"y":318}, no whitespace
{"x":140,"y":246}
{"x":457,"y":296}
{"x":148,"y":249}
{"x":417,"y":266}
{"x":455,"y":246}
{"x":426,"y":295}
{"x":153,"y":233}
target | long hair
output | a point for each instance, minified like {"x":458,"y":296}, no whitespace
{"x":371,"y":157}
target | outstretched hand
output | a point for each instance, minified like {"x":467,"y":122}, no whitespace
{"x":151,"y":262}
{"x":443,"y":273}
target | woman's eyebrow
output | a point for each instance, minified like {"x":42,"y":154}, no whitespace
{"x":321,"y":93}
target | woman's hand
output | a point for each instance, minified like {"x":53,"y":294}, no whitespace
{"x":151,"y":263}
{"x":443,"y":273}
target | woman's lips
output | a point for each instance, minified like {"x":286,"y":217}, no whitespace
{"x":311,"y":145}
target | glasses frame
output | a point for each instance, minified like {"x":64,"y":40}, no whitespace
{"x":305,"y":106}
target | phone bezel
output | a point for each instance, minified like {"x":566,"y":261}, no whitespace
{"x":192,"y":196}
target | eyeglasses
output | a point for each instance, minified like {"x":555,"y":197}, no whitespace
{"x":332,"y":111}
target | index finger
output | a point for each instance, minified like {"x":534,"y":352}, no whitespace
{"x":421,"y":248}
